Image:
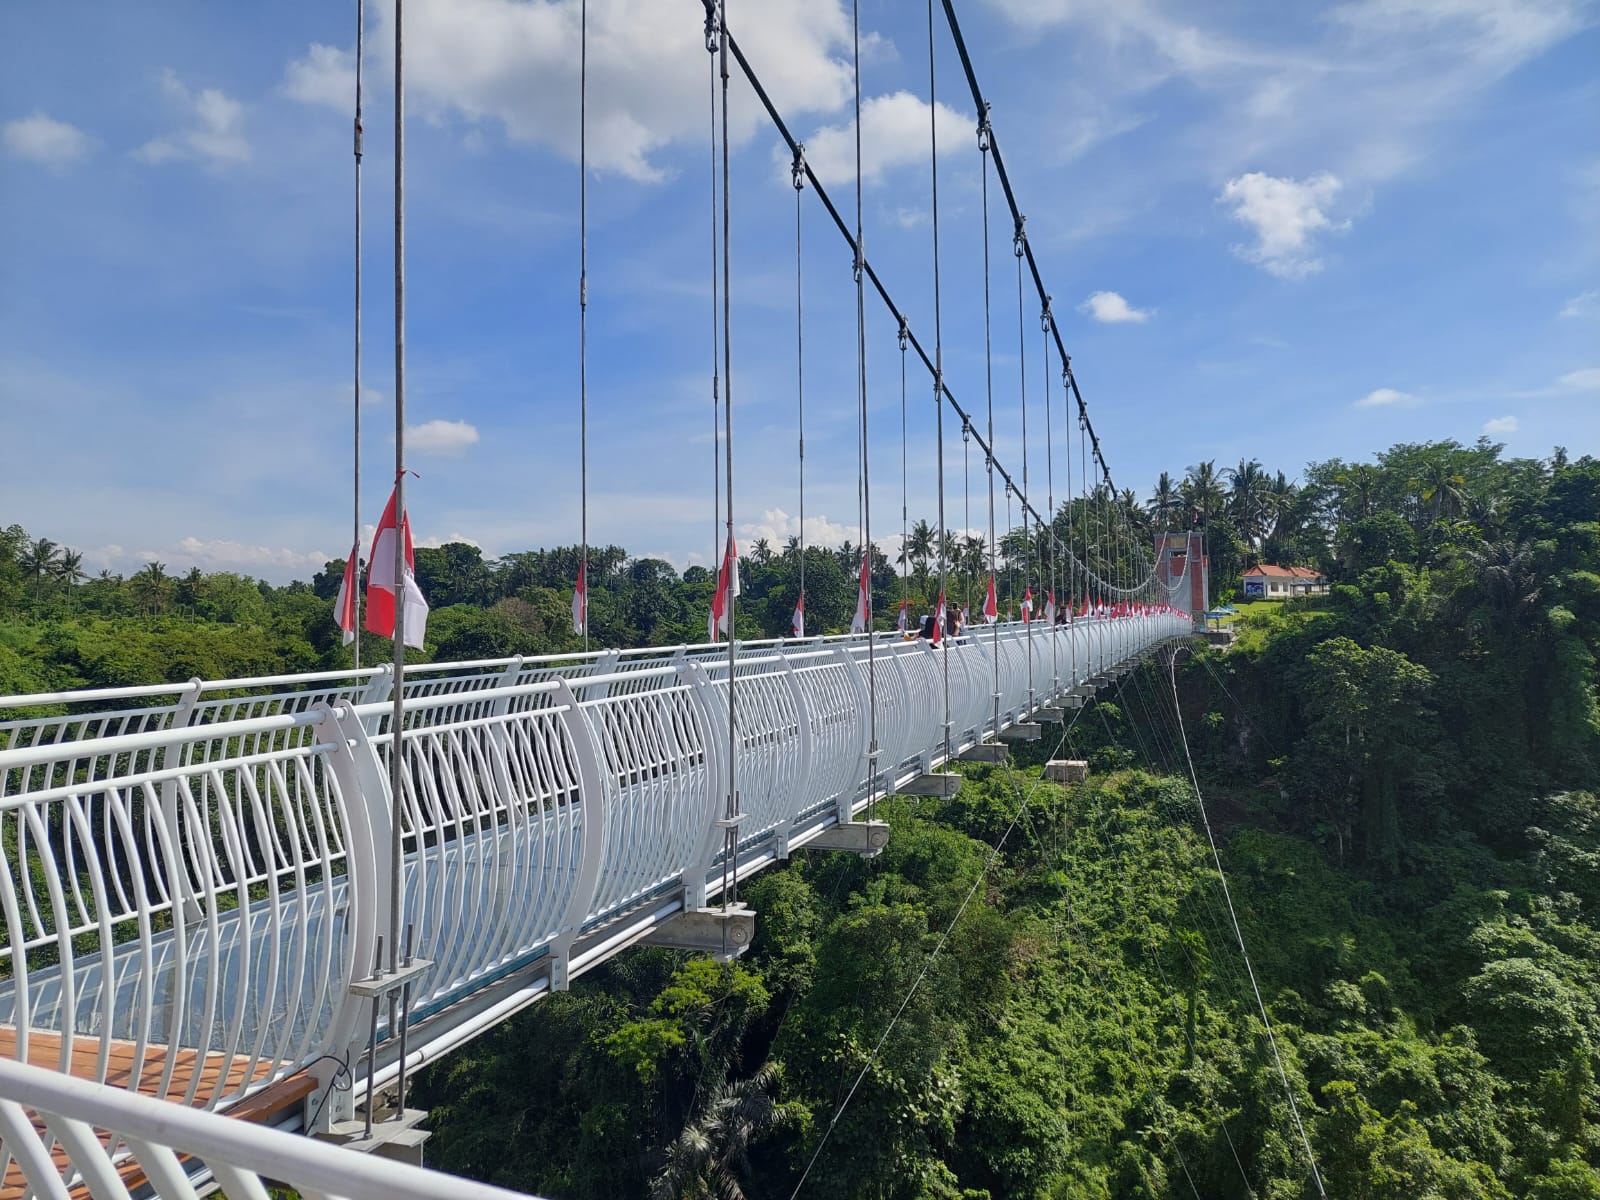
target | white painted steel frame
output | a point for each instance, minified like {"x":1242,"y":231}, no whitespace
{"x":213,"y":877}
{"x":102,"y":1132}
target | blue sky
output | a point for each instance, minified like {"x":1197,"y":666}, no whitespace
{"x":1282,"y":231}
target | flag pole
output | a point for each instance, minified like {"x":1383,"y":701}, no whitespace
{"x":396,"y":721}
{"x":355,"y":531}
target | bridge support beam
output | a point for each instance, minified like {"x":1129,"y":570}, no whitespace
{"x":931,"y":785}
{"x":1022,"y":731}
{"x":722,"y":933}
{"x":1047,"y":715}
{"x":985,"y":752}
{"x":866,"y":838}
{"x":399,"y":1136}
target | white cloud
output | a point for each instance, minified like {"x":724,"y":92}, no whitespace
{"x":778,"y":526}
{"x":1285,"y":214}
{"x":1584,"y":304}
{"x":1112,"y":309}
{"x":894,"y":133}
{"x":326,"y":75}
{"x":514,"y":64}
{"x":1387,"y":398}
{"x":220,"y":554}
{"x":44,"y":139}
{"x":1587,"y":379}
{"x":213,"y":137}
{"x":447,"y":439}
{"x":1499,"y":425}
{"x":433,"y":543}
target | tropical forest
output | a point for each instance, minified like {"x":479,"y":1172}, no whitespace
{"x":1323,"y":920}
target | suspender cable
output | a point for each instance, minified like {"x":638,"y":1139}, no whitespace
{"x":397,"y":716}
{"x":966,"y":514}
{"x":938,"y":375}
{"x":798,"y":177}
{"x":869,"y":272}
{"x":1050,"y":502}
{"x":716,"y":338}
{"x":355,"y":516}
{"x":905,"y":557}
{"x":1019,"y":240}
{"x":988,"y":375}
{"x":583,"y":309}
{"x":730,"y":843}
{"x":866,"y":492}
{"x":999,"y":164}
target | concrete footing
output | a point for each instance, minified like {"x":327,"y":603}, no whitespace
{"x":866,"y":838}
{"x":1066,"y":770}
{"x":722,"y":933}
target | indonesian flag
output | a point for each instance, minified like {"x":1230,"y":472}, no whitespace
{"x":797,"y":623}
{"x":938,"y":621}
{"x":858,"y":623}
{"x":1027,"y":604}
{"x":727,"y":587}
{"x":381,"y":584}
{"x":991,"y":610}
{"x":580,"y":600}
{"x":344,"y":608}
{"x":1084,"y":611}
{"x":1050,"y":607}
{"x":901,"y":621}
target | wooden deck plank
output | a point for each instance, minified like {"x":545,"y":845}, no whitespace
{"x":217,"y":1073}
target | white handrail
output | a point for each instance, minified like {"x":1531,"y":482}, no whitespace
{"x":239,"y":1154}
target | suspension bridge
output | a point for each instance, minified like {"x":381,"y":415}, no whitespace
{"x":235,"y":911}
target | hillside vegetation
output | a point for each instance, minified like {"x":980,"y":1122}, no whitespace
{"x":1039,"y":989}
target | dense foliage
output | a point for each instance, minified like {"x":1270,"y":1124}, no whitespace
{"x":1402,"y":779}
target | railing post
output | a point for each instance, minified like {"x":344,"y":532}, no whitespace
{"x":845,"y":808}
{"x":803,"y":770}
{"x":364,"y":788}
{"x":593,"y":796}
{"x":700,"y":687}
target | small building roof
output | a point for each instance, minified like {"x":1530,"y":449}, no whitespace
{"x":1271,"y":571}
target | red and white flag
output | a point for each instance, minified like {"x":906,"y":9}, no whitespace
{"x":991,"y":610}
{"x":901,"y":622}
{"x":580,"y":600}
{"x":938,"y":621}
{"x":797,"y":623}
{"x":727,"y":588}
{"x":858,"y":623}
{"x":1027,"y":604}
{"x":344,"y":608}
{"x":1050,"y":607}
{"x":382,"y":587}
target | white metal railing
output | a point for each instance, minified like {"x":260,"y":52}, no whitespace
{"x":59,"y":1135}
{"x":185,"y":905}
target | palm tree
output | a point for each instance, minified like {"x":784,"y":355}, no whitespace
{"x":1247,"y":500}
{"x":918,"y":550}
{"x":1202,"y":490}
{"x":69,"y":568}
{"x":1442,"y":489}
{"x":761,"y":552}
{"x":1166,"y":502}
{"x":150,"y":586}
{"x":711,"y":1158}
{"x":38,"y":559}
